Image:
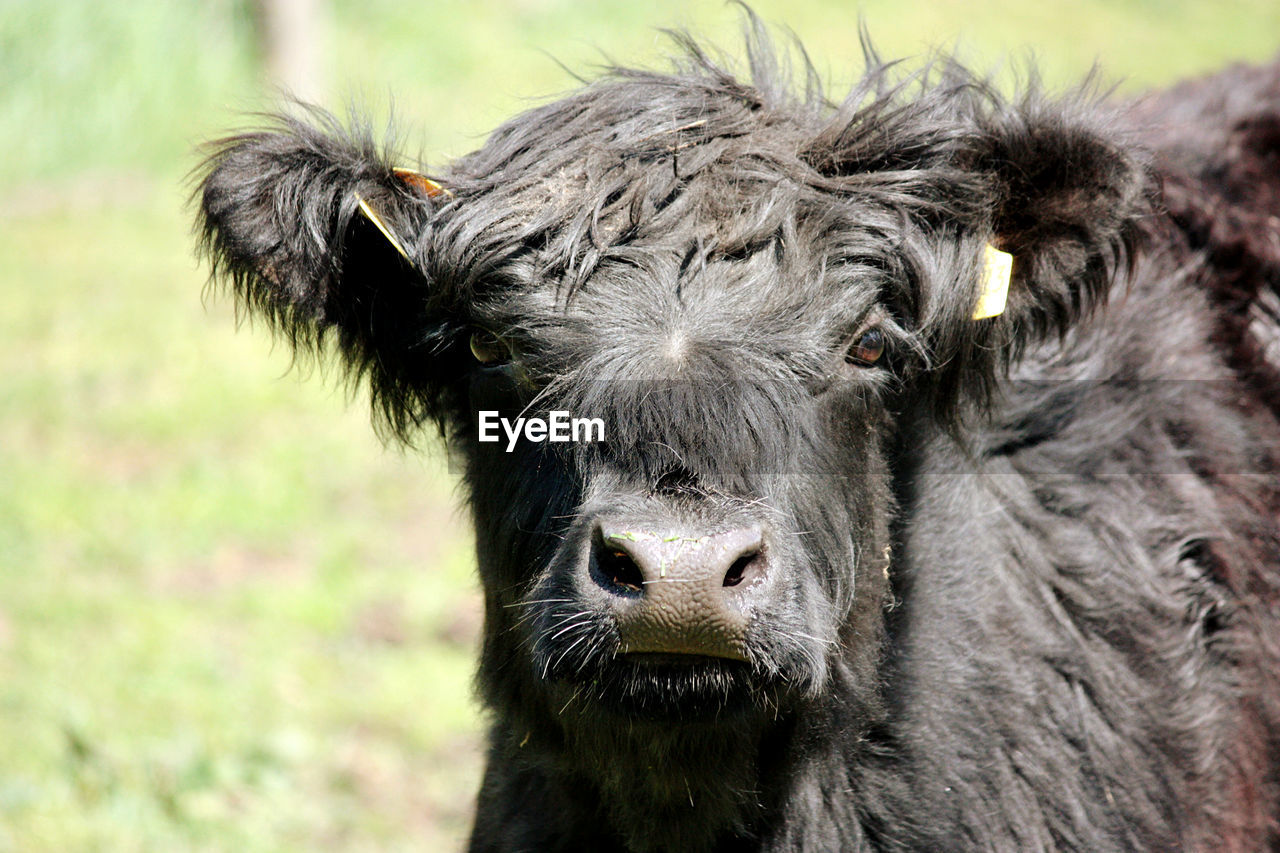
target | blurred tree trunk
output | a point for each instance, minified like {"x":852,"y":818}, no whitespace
{"x":291,"y":32}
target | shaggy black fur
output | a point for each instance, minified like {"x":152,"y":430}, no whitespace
{"x":1026,"y":567}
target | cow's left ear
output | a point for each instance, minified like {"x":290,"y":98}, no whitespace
{"x":1048,"y":188}
{"x":1066,"y":195}
{"x":1058,"y":195}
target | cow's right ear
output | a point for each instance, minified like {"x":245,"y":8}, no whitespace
{"x":316,"y":231}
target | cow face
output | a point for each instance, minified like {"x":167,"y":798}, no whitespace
{"x":764,"y":301}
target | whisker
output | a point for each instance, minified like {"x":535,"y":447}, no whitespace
{"x":569,"y":628}
{"x":815,"y":639}
{"x":575,"y":695}
{"x":565,"y":653}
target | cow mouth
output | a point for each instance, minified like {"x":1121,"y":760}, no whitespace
{"x":672,"y":659}
{"x":670,"y":687}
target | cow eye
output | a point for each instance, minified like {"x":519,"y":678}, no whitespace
{"x":488,"y":348}
{"x":867,"y":350}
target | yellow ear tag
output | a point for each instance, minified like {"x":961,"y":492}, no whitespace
{"x":995,"y":283}
{"x":421,"y":182}
{"x":378,"y":223}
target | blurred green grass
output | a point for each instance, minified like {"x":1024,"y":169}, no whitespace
{"x":229,"y":618}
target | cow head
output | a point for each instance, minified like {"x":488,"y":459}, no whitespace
{"x":765,"y":299}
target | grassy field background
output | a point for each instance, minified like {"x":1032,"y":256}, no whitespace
{"x":229,"y":618}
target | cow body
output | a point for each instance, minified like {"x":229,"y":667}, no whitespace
{"x":852,"y":570}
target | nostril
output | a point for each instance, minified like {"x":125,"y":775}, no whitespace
{"x":741,"y":566}
{"x":616,"y":571}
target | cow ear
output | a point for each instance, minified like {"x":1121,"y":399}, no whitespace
{"x":1050,"y":202}
{"x":1067,"y":193}
{"x":316,"y":231}
{"x":1023,"y":210}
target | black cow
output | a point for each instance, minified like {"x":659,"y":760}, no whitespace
{"x":870,"y":557}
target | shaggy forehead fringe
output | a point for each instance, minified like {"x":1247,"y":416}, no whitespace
{"x":637,"y":151}
{"x":697,"y":161}
{"x":891,"y":186}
